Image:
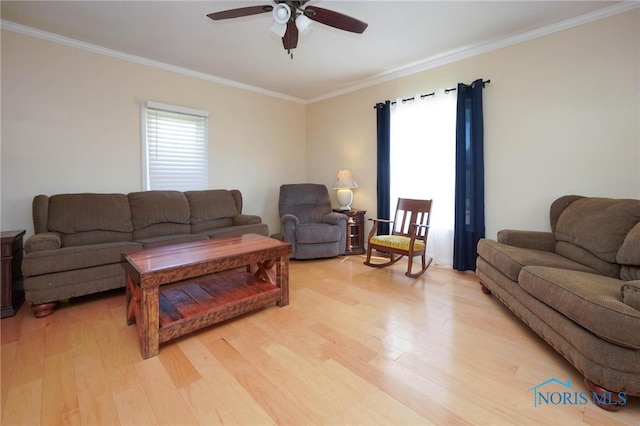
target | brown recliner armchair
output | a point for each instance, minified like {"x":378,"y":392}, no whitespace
{"x":308,"y":223}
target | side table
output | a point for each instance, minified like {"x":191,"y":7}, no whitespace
{"x":355,"y":230}
{"x":12,"y":293}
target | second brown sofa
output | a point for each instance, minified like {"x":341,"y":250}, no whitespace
{"x":578,"y":288}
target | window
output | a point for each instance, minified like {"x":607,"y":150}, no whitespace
{"x":175,"y":152}
{"x":422,"y":159}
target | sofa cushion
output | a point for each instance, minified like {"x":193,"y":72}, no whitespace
{"x":158,"y":213}
{"x":315,"y":233}
{"x":161,"y":230}
{"x":585,"y":257}
{"x":210,"y":209}
{"x":246,"y":219}
{"x":630,"y":294}
{"x":629,"y":253}
{"x":166,"y":240}
{"x":76,"y":257}
{"x":71,"y":213}
{"x":94,"y":237}
{"x":558,"y":206}
{"x":510,"y":260}
{"x":258,"y":228}
{"x":592,"y":230}
{"x":590,"y":300}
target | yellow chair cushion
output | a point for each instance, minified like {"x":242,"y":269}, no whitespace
{"x":396,"y":241}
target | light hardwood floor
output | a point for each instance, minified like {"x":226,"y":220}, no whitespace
{"x":356,"y":346}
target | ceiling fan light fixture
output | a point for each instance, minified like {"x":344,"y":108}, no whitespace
{"x":291,"y":17}
{"x":303,"y":23}
{"x":281,"y":13}
{"x":279,"y":29}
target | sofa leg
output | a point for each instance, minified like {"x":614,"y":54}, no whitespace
{"x":43,"y":309}
{"x":603,"y":398}
{"x":485,"y":290}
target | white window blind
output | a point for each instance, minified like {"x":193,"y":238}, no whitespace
{"x":175,"y":148}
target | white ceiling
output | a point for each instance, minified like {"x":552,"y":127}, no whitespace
{"x":402,"y":37}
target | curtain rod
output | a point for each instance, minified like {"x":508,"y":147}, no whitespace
{"x":484,"y":82}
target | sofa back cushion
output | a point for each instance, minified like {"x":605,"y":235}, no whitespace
{"x":558,"y":206}
{"x":40,"y":213}
{"x":629,"y":255}
{"x":592,"y":230}
{"x":157,"y":213}
{"x":211,"y":209}
{"x":88,"y":218}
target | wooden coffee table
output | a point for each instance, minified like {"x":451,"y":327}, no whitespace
{"x":177,"y":289}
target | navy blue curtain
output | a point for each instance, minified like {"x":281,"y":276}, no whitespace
{"x":383,"y":116}
{"x":469,"y":197}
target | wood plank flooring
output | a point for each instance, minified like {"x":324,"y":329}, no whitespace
{"x":356,"y":346}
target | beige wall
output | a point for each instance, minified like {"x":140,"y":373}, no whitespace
{"x":71,"y":123}
{"x":561,"y":117}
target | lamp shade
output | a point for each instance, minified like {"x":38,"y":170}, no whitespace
{"x":303,"y":23}
{"x":279,"y":29}
{"x":344,"y":184}
{"x":281,"y":13}
{"x":345,"y":180}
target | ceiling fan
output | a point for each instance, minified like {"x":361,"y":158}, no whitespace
{"x":290,"y":19}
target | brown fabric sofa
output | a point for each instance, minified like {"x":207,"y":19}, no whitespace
{"x":79,"y":238}
{"x":578,"y":287}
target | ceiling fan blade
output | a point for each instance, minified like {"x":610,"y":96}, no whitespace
{"x":335,"y":19}
{"x":242,"y":11}
{"x":290,"y":39}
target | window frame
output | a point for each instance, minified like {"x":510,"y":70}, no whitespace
{"x":145,"y":107}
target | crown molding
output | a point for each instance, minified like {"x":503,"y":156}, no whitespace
{"x":458,"y":55}
{"x":54,"y":38}
{"x":409,"y":69}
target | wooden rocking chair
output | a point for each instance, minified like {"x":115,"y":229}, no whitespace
{"x":409,"y":231}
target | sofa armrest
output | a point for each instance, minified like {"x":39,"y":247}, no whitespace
{"x":335,"y":218}
{"x":536,"y":240}
{"x":246,"y":219}
{"x":42,"y":241}
{"x":630,"y":294}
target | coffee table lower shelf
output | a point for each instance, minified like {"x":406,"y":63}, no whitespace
{"x":191,"y":305}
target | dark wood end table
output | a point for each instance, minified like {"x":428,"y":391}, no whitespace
{"x":355,"y":230}
{"x":12,"y":293}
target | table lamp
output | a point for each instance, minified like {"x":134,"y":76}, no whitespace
{"x":344,"y":184}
